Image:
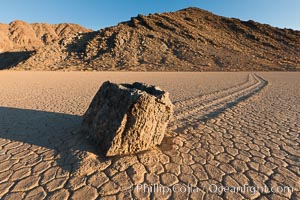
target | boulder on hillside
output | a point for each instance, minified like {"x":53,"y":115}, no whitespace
{"x":127,"y":118}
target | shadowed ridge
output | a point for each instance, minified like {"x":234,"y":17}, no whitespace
{"x":10,"y":59}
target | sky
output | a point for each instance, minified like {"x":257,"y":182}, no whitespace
{"x":97,"y":14}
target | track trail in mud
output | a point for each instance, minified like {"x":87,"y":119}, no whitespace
{"x":206,"y":106}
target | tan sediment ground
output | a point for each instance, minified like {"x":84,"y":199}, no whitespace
{"x":219,"y":137}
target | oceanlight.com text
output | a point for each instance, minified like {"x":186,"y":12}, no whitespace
{"x":212,"y":188}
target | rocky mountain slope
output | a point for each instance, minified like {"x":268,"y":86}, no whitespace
{"x":187,"y":40}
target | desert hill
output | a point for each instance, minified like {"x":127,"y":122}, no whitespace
{"x":20,"y":35}
{"x":19,"y":39}
{"x":187,"y":40}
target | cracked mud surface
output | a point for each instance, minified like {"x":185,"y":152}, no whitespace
{"x":229,"y":129}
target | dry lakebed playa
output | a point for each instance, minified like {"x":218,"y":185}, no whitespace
{"x":234,"y":135}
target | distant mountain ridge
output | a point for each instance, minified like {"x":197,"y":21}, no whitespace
{"x":187,"y":40}
{"x":20,"y":35}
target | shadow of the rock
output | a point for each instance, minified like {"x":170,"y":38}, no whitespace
{"x":10,"y":59}
{"x":57,"y":132}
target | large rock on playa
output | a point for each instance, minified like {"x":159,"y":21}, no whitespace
{"x":127,"y":118}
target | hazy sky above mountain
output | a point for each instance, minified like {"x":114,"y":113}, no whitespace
{"x":98,"y":14}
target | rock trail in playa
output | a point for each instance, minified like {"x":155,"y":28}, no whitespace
{"x":219,"y":138}
{"x":202,"y":107}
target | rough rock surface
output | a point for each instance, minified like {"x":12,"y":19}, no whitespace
{"x":127,"y":118}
